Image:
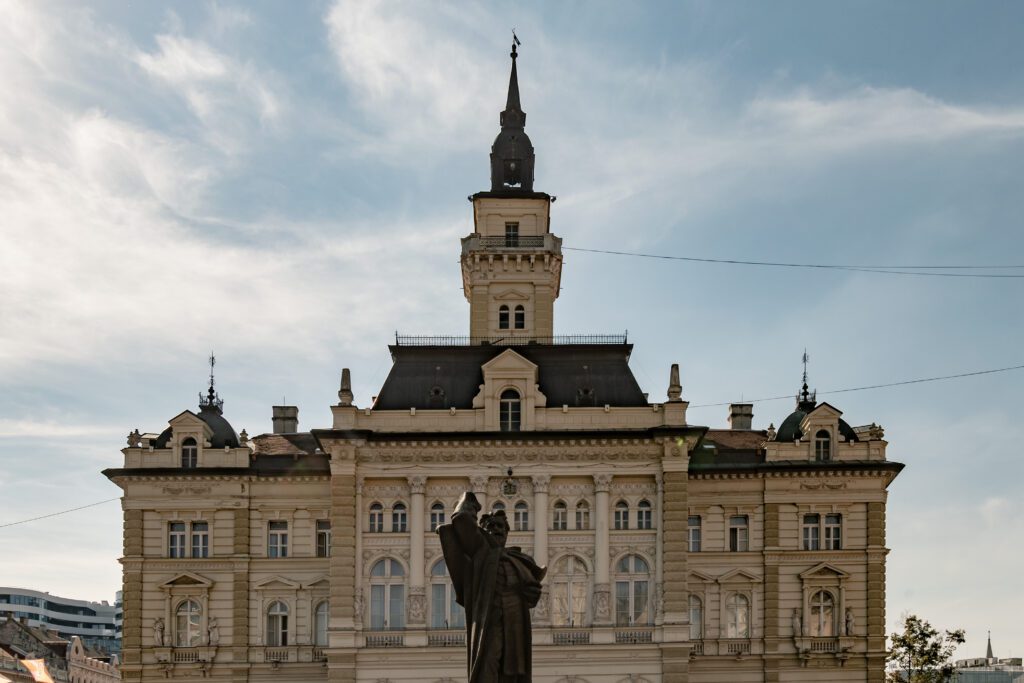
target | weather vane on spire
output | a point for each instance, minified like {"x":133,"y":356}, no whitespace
{"x":515,"y":41}
{"x":211,"y":398}
{"x":805,"y":359}
{"x":805,"y":395}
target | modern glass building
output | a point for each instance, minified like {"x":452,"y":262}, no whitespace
{"x":96,"y":623}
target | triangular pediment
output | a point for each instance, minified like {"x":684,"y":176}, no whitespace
{"x":824,"y":571}
{"x":187,"y":580}
{"x":508,"y":361}
{"x":511,"y":295}
{"x":825,"y":410}
{"x":739,"y":576}
{"x":700,"y":576}
{"x":321,"y":582}
{"x":278,"y":582}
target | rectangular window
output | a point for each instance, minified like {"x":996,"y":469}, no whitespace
{"x":622,"y":603}
{"x":436,"y":517}
{"x":323,"y":538}
{"x":559,"y":519}
{"x":644,"y":518}
{"x":582,"y":517}
{"x":739,"y":534}
{"x":512,"y":234}
{"x":693,"y":530}
{"x":399,"y":520}
{"x":176,"y":539}
{"x":277,"y":539}
{"x":621,"y":517}
{"x":833,"y":532}
{"x":200,"y":539}
{"x":811,"y":532}
{"x":396,"y":606}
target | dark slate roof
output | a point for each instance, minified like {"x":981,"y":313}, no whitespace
{"x":426,"y":377}
{"x":790,"y":430}
{"x":223,"y":433}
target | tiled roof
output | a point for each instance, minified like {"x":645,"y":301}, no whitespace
{"x":302,"y":443}
{"x":737,"y":439}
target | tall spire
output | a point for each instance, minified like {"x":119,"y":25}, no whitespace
{"x":512,"y":156}
{"x":988,"y":653}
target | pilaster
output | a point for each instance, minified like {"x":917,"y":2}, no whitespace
{"x":602,"y":588}
{"x":540,"y":518}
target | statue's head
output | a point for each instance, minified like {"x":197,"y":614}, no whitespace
{"x":495,"y":525}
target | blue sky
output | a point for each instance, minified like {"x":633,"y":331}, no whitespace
{"x":285,"y":183}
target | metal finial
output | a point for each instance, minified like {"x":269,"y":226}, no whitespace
{"x":211,"y":398}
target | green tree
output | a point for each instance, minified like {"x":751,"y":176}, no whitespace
{"x":922,"y":653}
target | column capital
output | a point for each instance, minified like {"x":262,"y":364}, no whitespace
{"x":478,"y":483}
{"x":540,"y":482}
{"x":417,"y":484}
{"x":602,"y":482}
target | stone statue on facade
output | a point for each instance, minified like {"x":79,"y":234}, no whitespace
{"x":850,"y":623}
{"x":798,"y":629}
{"x":158,"y":632}
{"x":213,"y":632}
{"x":497,"y":586}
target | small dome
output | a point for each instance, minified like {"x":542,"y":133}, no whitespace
{"x":790,"y":430}
{"x":223,"y":433}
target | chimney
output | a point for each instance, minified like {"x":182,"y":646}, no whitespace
{"x":741,"y":415}
{"x":286,"y":419}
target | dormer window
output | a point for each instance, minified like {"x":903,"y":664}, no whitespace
{"x":189,"y":453}
{"x":503,"y":317}
{"x":520,"y":319}
{"x":822,"y":446}
{"x":511,"y":234}
{"x":510,"y":411}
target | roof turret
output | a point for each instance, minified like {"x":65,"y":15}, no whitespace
{"x":512,"y":156}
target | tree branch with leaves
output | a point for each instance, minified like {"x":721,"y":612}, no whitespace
{"x":922,"y":653}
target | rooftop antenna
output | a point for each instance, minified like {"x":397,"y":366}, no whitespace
{"x":805,"y":394}
{"x":211,"y":398}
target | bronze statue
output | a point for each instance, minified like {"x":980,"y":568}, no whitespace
{"x":497,"y":586}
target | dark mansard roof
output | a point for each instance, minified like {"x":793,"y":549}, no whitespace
{"x":439,"y":377}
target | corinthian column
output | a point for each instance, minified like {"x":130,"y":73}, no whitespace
{"x":417,"y":527}
{"x":540,"y":518}
{"x":602,"y":589}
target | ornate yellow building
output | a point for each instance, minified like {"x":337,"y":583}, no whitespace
{"x":675,"y":552}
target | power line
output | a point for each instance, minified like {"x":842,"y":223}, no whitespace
{"x":921,"y":271}
{"x":870,"y":386}
{"x":62,"y":512}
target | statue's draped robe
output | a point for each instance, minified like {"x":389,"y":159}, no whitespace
{"x":473,"y":558}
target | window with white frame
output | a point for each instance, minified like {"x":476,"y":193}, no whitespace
{"x":436,"y":515}
{"x":520,"y":318}
{"x":696,"y":618}
{"x":812,"y":532}
{"x":822,"y":446}
{"x":644,"y":516}
{"x":521,"y":516}
{"x":833,"y":532}
{"x":560,"y":516}
{"x":277,"y":624}
{"x":822,"y":615}
{"x":399,"y":518}
{"x":187,"y":624}
{"x":503,"y":317}
{"x":200,"y":539}
{"x":444,"y":611}
{"x":582,"y":515}
{"x":632,"y":580}
{"x":189,"y":453}
{"x":176,"y":539}
{"x":277,"y":538}
{"x":570,"y":588}
{"x":737,"y":616}
{"x":621,"y":517}
{"x":693,"y":528}
{"x":511,"y":234}
{"x":739,"y":534}
{"x":510,"y":411}
{"x":387,"y":595}
{"x":323,"y":538}
{"x":321,"y":618}
{"x":376,"y":518}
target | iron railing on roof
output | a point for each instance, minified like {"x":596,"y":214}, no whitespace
{"x":556,"y":340}
{"x":509,"y":242}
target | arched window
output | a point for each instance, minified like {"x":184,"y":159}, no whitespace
{"x":822,"y":445}
{"x":737,"y":616}
{"x":644,"y":518}
{"x":189,"y":453}
{"x":510,"y":412}
{"x":622,"y":515}
{"x":277,"y":624}
{"x":583,"y":515}
{"x":387,"y":595}
{"x":399,"y":518}
{"x":503,"y":317}
{"x":520,"y":318}
{"x":521,"y":517}
{"x":632,"y":578}
{"x":321,"y":617}
{"x":560,"y":516}
{"x":444,"y":611}
{"x":498,"y":505}
{"x":570,"y":590}
{"x":822,"y":615}
{"x":436,"y":515}
{"x":696,"y":618}
{"x":376,"y":518}
{"x":187,"y":624}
